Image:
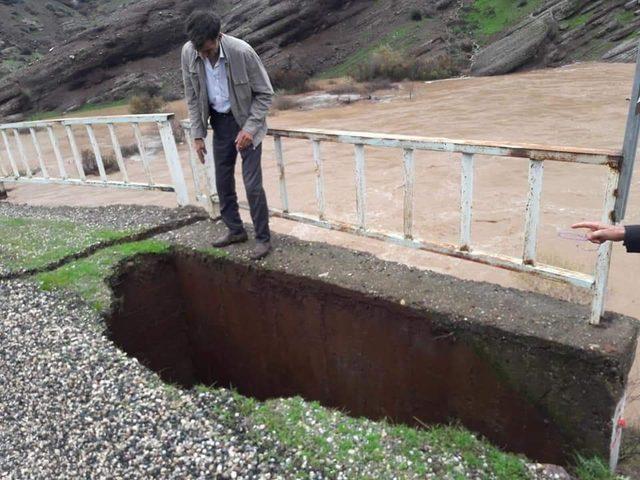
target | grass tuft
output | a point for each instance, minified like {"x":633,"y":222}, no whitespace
{"x":86,"y":277}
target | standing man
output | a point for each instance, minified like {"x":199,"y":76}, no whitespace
{"x":226,"y":84}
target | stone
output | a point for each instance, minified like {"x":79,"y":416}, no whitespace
{"x":516,"y":49}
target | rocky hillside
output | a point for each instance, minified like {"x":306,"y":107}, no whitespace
{"x":61,"y":54}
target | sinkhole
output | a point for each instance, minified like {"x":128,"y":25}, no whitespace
{"x":198,"y":319}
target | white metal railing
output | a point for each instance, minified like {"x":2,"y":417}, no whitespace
{"x":20,"y":171}
{"x":536,"y":155}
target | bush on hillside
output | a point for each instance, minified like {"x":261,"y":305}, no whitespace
{"x":90,"y":165}
{"x":141,"y":104}
{"x":284,"y":103}
{"x":389,"y":64}
{"x":291,"y":80}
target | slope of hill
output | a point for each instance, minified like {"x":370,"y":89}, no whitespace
{"x":61,"y":54}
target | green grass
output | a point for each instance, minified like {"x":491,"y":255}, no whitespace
{"x":592,"y":469}
{"x":88,"y":107}
{"x":488,"y":17}
{"x":27,"y":243}
{"x":214,"y":252}
{"x":86,"y":277}
{"x":400,"y":39}
{"x":12,"y":65}
{"x":329,"y":440}
{"x":577,"y":20}
{"x":625,"y":16}
{"x":333,"y":442}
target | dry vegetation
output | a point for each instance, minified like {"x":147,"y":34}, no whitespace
{"x":389,"y":64}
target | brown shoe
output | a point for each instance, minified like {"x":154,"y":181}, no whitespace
{"x":230,"y":238}
{"x":261,"y":250}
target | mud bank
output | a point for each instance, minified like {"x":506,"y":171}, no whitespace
{"x":420,"y":358}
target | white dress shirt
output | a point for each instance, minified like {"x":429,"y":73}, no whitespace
{"x":217,"y":86}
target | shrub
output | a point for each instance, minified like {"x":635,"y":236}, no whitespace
{"x":290,"y":80}
{"x":178,"y":131}
{"x":379,"y":84}
{"x":22,"y":172}
{"x":345,"y":89}
{"x":284,"y":103}
{"x":140,"y":104}
{"x":386,"y":63}
{"x":129,"y":150}
{"x":90,"y":166}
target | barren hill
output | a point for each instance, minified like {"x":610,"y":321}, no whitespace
{"x":61,"y":54}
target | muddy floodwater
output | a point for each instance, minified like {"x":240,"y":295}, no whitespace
{"x":580,"y":105}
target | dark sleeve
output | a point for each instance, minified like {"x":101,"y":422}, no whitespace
{"x":632,"y":238}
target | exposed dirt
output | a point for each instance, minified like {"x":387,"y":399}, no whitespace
{"x":351,"y":323}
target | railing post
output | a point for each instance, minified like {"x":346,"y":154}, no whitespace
{"x":466,"y":201}
{"x":36,"y":145}
{"x":23,"y":155}
{"x":194,"y":168}
{"x":361,"y":188}
{"x":56,"y":151}
{"x":173,"y":160}
{"x":284,"y":197}
{"x":143,"y":152}
{"x":118,"y":152}
{"x":317,"y":158}
{"x":603,"y":262}
{"x":409,"y":181}
{"x":532,"y":215}
{"x":12,"y":161}
{"x":3,"y":171}
{"x":209,"y":171}
{"x":74,"y":151}
{"x":96,"y":151}
{"x":630,"y":145}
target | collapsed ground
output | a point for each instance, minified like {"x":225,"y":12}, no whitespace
{"x":61,"y":369}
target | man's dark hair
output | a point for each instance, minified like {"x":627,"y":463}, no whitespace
{"x":202,"y":26}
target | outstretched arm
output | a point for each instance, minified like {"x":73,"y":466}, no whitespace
{"x":600,"y":232}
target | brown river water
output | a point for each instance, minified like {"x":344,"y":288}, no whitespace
{"x":580,"y":105}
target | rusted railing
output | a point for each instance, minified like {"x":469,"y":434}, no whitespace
{"x":537,"y":155}
{"x":18,"y":168}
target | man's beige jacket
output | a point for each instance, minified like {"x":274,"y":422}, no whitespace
{"x":250,"y":90}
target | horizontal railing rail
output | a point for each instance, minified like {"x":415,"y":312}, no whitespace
{"x":536,"y":155}
{"x":16,"y":164}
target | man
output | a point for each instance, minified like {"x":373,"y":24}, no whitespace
{"x":599,"y":233}
{"x":226,"y":84}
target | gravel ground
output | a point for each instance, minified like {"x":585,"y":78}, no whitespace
{"x":117,"y":217}
{"x":129,"y":219}
{"x":74,"y":406}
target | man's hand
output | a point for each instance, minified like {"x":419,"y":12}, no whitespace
{"x":243,"y":140}
{"x":601,"y":232}
{"x":200,"y":149}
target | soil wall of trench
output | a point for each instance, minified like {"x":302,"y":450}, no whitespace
{"x":201,"y":319}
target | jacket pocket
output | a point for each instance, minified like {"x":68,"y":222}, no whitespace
{"x":195,"y":82}
{"x":243,"y":93}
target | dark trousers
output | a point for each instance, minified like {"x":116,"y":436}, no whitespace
{"x":225,"y":131}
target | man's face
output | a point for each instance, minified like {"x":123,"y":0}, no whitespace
{"x":210,"y":48}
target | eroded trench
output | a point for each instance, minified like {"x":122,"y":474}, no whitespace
{"x":197,"y":319}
